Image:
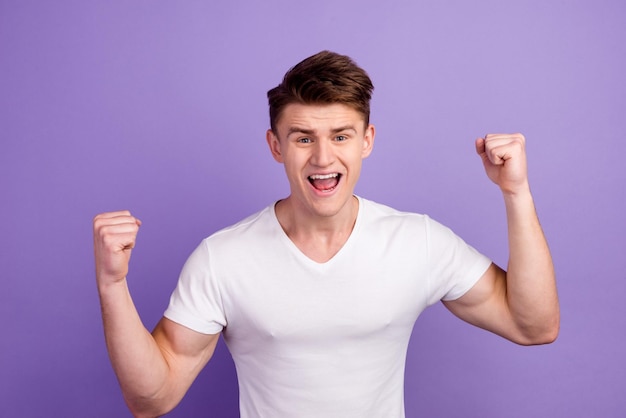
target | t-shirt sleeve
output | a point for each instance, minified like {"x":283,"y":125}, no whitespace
{"x":196,"y":302}
{"x":454,"y":266}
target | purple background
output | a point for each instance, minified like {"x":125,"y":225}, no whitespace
{"x":160,"y":107}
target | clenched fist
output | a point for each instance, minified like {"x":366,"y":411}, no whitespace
{"x":504,"y":158}
{"x":114,"y":236}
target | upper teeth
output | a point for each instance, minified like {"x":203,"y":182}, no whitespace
{"x":323,"y":176}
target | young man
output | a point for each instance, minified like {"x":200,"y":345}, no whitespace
{"x":317,"y":294}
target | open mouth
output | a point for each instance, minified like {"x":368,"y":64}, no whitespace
{"x":325,"y":182}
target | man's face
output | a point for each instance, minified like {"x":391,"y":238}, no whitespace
{"x":322,"y":148}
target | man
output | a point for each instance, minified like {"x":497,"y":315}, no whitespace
{"x":316,"y":295}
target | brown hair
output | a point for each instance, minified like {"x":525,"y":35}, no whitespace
{"x":324,"y":78}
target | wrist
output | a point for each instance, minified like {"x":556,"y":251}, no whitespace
{"x":520,"y":206}
{"x":521,"y":190}
{"x":107,"y":285}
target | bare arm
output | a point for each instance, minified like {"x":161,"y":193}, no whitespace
{"x":520,"y":304}
{"x":154,"y":370}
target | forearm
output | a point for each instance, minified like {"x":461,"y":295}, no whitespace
{"x":139,"y":364}
{"x":531,"y":285}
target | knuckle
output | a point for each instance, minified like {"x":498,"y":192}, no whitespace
{"x":97,"y":226}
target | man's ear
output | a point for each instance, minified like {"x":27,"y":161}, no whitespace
{"x":274,"y":144}
{"x":368,"y":141}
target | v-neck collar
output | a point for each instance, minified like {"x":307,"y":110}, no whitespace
{"x":306,"y":259}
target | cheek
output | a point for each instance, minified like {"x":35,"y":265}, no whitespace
{"x":295,"y":160}
{"x":356,"y":169}
{"x":293,"y":169}
{"x":354,"y":159}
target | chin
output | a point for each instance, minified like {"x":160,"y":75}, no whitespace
{"x":331,"y":206}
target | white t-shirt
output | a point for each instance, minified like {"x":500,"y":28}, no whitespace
{"x":322,"y":339}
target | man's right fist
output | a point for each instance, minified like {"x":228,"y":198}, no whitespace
{"x":114,"y":236}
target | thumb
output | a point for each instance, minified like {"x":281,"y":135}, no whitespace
{"x":480,"y":146}
{"x":481,"y":150}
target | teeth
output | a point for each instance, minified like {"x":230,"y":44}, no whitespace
{"x":323,"y":176}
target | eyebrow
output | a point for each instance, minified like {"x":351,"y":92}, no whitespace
{"x":299,"y":130}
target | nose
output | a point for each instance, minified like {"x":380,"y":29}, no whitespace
{"x":323,"y":154}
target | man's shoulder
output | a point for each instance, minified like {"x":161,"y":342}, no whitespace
{"x":375,"y":211}
{"x":389,"y":218}
{"x":263,"y":219}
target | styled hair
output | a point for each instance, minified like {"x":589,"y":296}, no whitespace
{"x":324,"y":78}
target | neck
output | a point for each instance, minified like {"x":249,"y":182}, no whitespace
{"x":318,"y":237}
